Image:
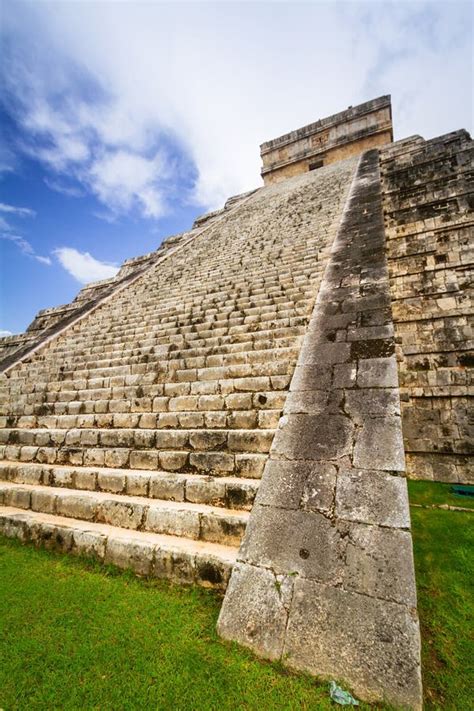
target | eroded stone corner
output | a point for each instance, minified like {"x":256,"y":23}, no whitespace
{"x":325,"y":576}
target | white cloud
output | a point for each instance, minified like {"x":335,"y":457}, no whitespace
{"x":83,"y":266}
{"x":25,"y":247}
{"x":121,"y":178}
{"x":4,"y":332}
{"x":210,"y":81}
{"x":19,"y":211}
{"x":63,"y":188}
{"x":43,"y":260}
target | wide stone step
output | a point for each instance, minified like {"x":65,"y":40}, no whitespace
{"x":203,"y":419}
{"x":164,"y":362}
{"x":166,"y":375}
{"x":150,"y":554}
{"x":195,"y":521}
{"x":226,"y":492}
{"x":143,"y":440}
{"x":181,"y":345}
{"x":245,"y":464}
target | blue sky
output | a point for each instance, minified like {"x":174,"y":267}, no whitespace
{"x":122,"y":121}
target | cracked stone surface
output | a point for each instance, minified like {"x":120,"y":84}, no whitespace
{"x":332,"y":511}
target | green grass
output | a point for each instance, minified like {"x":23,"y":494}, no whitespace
{"x":75,"y":635}
{"x":443,"y":543}
{"x":428,"y":493}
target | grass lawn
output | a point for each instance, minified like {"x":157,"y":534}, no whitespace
{"x":75,"y":635}
{"x":444,"y":559}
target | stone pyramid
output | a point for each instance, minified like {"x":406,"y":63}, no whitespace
{"x":243,"y":379}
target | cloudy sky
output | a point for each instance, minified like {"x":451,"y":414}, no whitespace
{"x":122,"y":121}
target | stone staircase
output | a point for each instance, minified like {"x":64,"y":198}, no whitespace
{"x":139,"y":433}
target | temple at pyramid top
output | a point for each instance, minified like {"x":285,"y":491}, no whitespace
{"x":328,"y":140}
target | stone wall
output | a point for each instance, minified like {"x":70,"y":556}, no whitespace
{"x":428,"y":203}
{"x":329,"y":140}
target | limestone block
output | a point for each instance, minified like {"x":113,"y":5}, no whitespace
{"x":62,"y":477}
{"x":169,"y":487}
{"x":130,"y":554}
{"x":85,"y":479}
{"x":177,"y":565}
{"x":52,"y":537}
{"x":315,"y":549}
{"x":173,"y":461}
{"x":174,"y":522}
{"x":137,"y":484}
{"x":73,"y":506}
{"x":317,"y":437}
{"x":89,"y":543}
{"x":379,"y":444}
{"x":255,"y":609}
{"x":110,"y":481}
{"x":207,"y":440}
{"x":120,"y":513}
{"x":206,"y":490}
{"x":28,"y":454}
{"x":26,"y":475}
{"x":372,"y":645}
{"x":379,"y":563}
{"x":17,"y":497}
{"x":115,"y":458}
{"x":141,"y":459}
{"x":371,"y":401}
{"x":290,"y":484}
{"x":372,"y":497}
{"x":211,"y":572}
{"x":377,"y":373}
{"x":222,"y":528}
{"x":212,"y":462}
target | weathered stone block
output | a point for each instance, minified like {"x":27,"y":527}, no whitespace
{"x":372,"y":497}
{"x":167,"y":487}
{"x":379,"y":563}
{"x":371,"y":645}
{"x":289,"y":485}
{"x":119,"y":513}
{"x":255,"y":610}
{"x":377,"y":373}
{"x":114,"y":482}
{"x":322,"y":436}
{"x":379,"y":444}
{"x":290,"y":542}
{"x":89,"y":543}
{"x":174,"y":522}
{"x":136,"y":555}
{"x":83,"y":507}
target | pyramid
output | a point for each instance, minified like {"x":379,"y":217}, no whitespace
{"x":240,"y":408}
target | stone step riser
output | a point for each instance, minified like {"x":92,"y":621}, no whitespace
{"x":215,"y":345}
{"x":255,"y":394}
{"x":238,"y":349}
{"x":165,"y":375}
{"x":207,"y":344}
{"x":170,"y":365}
{"x":215,"y":464}
{"x":225,"y":492}
{"x":208,"y":419}
{"x":142,"y":439}
{"x":145,"y":556}
{"x":200,"y":524}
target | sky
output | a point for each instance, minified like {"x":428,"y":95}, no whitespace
{"x":123,"y":121}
